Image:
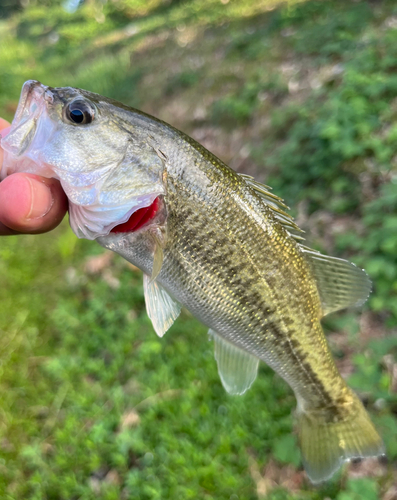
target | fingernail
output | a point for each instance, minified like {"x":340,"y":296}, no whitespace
{"x":42,"y":199}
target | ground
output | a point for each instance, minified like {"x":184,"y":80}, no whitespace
{"x":303,"y":96}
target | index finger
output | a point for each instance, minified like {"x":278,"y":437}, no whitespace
{"x":3,"y":124}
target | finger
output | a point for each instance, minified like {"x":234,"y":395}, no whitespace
{"x":30,"y":204}
{"x":3,"y":124}
{"x":3,"y":229}
{"x":6,"y":231}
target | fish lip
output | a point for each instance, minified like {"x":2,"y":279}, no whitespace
{"x":35,"y":97}
{"x":32,"y":89}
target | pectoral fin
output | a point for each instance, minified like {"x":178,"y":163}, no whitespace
{"x":157,"y":262}
{"x":159,"y":240}
{"x":237,"y":368}
{"x":340,"y":283}
{"x":161,"y":308}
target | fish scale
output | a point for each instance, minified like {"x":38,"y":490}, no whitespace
{"x":216,"y":242}
{"x":190,"y":227}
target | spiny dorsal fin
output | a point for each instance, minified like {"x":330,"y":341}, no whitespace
{"x":161,"y":308}
{"x":340,"y":283}
{"x":276,"y":204}
{"x":237,"y":368}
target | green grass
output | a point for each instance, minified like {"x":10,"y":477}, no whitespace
{"x":301,"y":95}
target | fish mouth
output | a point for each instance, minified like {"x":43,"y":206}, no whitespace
{"x":16,"y":141}
{"x":31,"y":90}
{"x":142,"y":217}
{"x":34,"y":95}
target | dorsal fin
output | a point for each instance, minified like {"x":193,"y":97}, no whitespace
{"x":340,"y":283}
{"x":277,"y":206}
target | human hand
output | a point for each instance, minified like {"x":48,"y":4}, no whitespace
{"x":29,"y":203}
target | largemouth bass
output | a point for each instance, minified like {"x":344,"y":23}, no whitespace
{"x":209,"y":239}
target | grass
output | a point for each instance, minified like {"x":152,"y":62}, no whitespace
{"x":301,"y":95}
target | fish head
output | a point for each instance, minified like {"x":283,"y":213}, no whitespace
{"x":104,"y":160}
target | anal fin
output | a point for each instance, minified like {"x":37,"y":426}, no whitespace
{"x":237,"y":368}
{"x":161,"y":308}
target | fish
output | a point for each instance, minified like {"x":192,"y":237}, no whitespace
{"x":208,"y":239}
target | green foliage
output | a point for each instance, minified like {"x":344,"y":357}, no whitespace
{"x":377,"y":249}
{"x":93,"y":404}
{"x":235,"y":109}
{"x":334,"y":35}
{"x":342,"y":136}
{"x":232,"y":109}
{"x":285,"y":450}
{"x":182,"y":81}
{"x":360,"y":489}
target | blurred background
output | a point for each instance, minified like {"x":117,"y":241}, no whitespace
{"x":300,"y":94}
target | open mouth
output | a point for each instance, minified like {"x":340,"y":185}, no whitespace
{"x":31,"y":94}
{"x":17,"y":138}
{"x":139,"y":218}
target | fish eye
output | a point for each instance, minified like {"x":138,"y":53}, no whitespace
{"x":79,"y":112}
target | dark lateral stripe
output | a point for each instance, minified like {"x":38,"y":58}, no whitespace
{"x":293,"y":348}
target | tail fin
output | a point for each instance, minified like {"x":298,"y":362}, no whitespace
{"x":325,"y":445}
